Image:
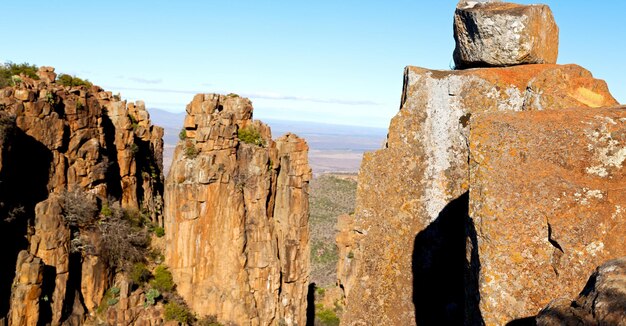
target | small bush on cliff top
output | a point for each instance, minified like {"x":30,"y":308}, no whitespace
{"x":250,"y":135}
{"x":68,"y":80}
{"x":10,"y":69}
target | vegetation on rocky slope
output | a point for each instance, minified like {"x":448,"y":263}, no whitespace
{"x":330,"y":197}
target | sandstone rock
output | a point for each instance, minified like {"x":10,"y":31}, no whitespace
{"x":47,"y":74}
{"x":504,"y":34}
{"x":411,"y":206}
{"x":62,"y":139}
{"x":545,"y":204}
{"x":26,"y":291}
{"x":601,"y":302}
{"x":346,"y":240}
{"x":236,"y":217}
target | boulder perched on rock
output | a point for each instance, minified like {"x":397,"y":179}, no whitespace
{"x":411,"y":205}
{"x":236,"y":216}
{"x":497,"y":34}
{"x":547,"y":201}
{"x":601,"y":302}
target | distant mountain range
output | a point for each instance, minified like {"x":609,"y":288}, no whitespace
{"x":333,"y":148}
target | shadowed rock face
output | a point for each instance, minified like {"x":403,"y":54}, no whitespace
{"x":236,"y":216}
{"x":497,"y":34}
{"x":53,"y":139}
{"x":410,"y":191}
{"x":601,"y":302}
{"x":547,"y":203}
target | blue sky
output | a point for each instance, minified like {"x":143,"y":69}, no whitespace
{"x":323,"y":61}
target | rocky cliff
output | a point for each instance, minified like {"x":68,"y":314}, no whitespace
{"x":66,"y":152}
{"x":413,"y":254}
{"x":236,"y":216}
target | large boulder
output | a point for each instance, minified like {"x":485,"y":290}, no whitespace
{"x":601,"y":302}
{"x":408,"y":254}
{"x":497,"y":34}
{"x":547,"y":203}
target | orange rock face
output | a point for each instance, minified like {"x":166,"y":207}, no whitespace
{"x":411,"y":206}
{"x":236,"y":216}
{"x":54,"y":139}
{"x":498,"y":34}
{"x":547,"y":204}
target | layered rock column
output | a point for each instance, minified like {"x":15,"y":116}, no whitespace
{"x":236,"y":216}
{"x":546,"y":198}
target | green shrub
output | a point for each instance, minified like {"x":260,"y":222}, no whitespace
{"x":162,"y":279}
{"x":106,"y":210}
{"x":79,"y":105}
{"x":50,"y":98}
{"x":182,"y":135}
{"x":151,"y":296}
{"x":178,"y":312}
{"x":250,"y":135}
{"x":140,"y":274}
{"x":115,"y":291}
{"x":68,"y":80}
{"x":191,"y":151}
{"x":10,"y":69}
{"x":326,"y":317}
{"x":109,"y":299}
{"x":159,"y":231}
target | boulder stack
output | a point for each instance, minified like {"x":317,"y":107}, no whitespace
{"x":499,"y":34}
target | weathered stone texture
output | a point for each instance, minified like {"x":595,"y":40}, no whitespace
{"x":61,"y":139}
{"x":498,"y":34}
{"x":236,"y":217}
{"x":421,"y":178}
{"x":26,"y":290}
{"x":547,"y":202}
{"x":601,"y":302}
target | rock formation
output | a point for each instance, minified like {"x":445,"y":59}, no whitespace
{"x":413,"y":250}
{"x":54,"y":140}
{"x":601,"y":302}
{"x":545,"y":199}
{"x":412,"y":194}
{"x":236,"y":216}
{"x":504,"y":34}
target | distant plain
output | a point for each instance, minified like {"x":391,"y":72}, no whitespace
{"x":332,"y":148}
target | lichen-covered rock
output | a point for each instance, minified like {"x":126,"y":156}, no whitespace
{"x":601,"y":302}
{"x":411,"y":206}
{"x":497,"y":34}
{"x":236,"y":216}
{"x":55,"y":139}
{"x":546,"y":202}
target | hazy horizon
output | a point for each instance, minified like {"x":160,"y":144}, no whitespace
{"x":327,"y":61}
